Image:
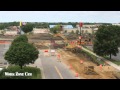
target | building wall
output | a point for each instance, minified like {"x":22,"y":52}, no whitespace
{"x":70,"y":29}
{"x":117,"y":24}
{"x":88,"y":28}
{"x":10,"y":33}
{"x":40,"y":30}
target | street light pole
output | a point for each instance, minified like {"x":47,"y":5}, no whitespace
{"x":20,"y":27}
{"x":80,"y":32}
{"x":80,"y":35}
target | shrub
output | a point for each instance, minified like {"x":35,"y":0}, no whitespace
{"x":36,"y":73}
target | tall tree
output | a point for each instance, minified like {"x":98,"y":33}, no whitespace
{"x":107,"y":40}
{"x":77,"y":32}
{"x":21,"y":38}
{"x":72,"y":32}
{"x":28,"y":27}
{"x":21,"y":53}
{"x":55,"y":29}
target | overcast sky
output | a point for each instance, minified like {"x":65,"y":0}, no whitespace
{"x":61,"y":16}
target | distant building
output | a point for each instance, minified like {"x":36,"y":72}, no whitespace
{"x":66,"y":28}
{"x":40,"y":30}
{"x":69,"y":28}
{"x":88,"y":28}
{"x":10,"y":33}
{"x":12,"y":30}
{"x":117,"y":24}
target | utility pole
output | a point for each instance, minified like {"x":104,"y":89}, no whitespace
{"x":80,"y":24}
{"x":20,"y":27}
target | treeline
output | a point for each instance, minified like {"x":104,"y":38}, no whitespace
{"x":46,"y":24}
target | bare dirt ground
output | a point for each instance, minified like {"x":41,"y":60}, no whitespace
{"x":72,"y":59}
{"x":43,"y":37}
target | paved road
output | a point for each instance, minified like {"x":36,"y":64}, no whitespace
{"x":3,"y":49}
{"x":53,"y":69}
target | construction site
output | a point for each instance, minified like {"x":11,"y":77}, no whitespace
{"x":69,"y":49}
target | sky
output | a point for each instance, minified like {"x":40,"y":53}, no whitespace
{"x":61,"y":16}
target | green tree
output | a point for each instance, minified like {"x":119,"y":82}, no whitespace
{"x":72,"y":32}
{"x":21,"y":38}
{"x":55,"y":29}
{"x":28,"y":27}
{"x":107,"y":40}
{"x":2,"y":26}
{"x":21,"y":52}
{"x":77,"y":32}
{"x":65,"y":31}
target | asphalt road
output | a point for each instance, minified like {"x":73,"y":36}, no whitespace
{"x":54,"y":69}
{"x":3,"y":49}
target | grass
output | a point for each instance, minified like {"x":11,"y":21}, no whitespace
{"x":92,"y":57}
{"x":112,"y":60}
{"x":36,"y":73}
{"x":87,"y":48}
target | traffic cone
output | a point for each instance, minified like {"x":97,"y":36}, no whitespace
{"x":81,"y":61}
{"x":76,"y":74}
{"x":100,"y":66}
{"x":70,"y":66}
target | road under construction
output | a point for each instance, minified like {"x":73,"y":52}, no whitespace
{"x":68,"y":48}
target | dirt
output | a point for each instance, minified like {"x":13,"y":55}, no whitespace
{"x":44,"y":37}
{"x":73,"y":60}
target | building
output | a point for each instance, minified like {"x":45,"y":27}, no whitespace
{"x":117,"y":24}
{"x":12,"y":30}
{"x":10,"y":33}
{"x":40,"y":30}
{"x":69,"y":28}
{"x":88,"y":28}
{"x":66,"y":28}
